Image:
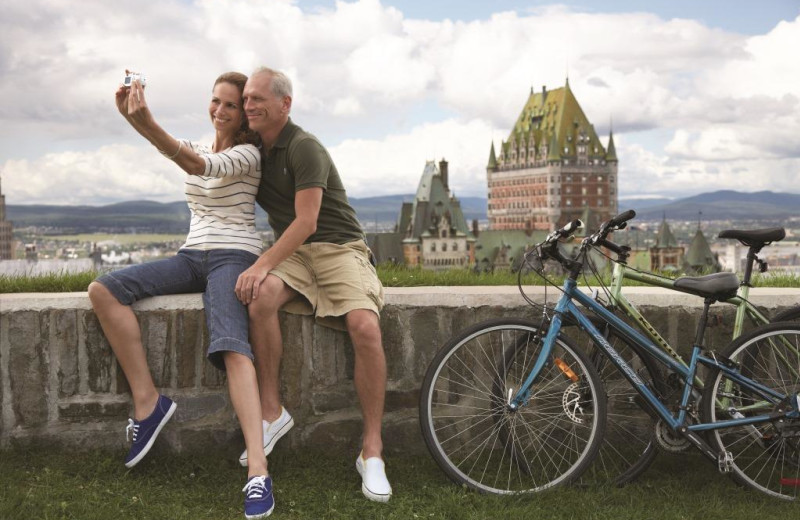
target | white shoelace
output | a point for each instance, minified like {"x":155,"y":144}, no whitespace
{"x":132,"y":427}
{"x":255,"y":487}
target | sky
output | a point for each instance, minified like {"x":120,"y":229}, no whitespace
{"x":701,"y":96}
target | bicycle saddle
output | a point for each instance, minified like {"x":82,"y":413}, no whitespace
{"x":754,"y":237}
{"x":719,"y":286}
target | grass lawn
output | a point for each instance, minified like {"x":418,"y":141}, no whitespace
{"x":46,"y":483}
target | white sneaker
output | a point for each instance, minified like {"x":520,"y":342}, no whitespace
{"x":374,"y":483}
{"x":272,"y":432}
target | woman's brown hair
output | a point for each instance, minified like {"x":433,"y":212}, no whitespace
{"x":244,"y":135}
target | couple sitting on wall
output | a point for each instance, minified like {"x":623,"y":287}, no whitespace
{"x":319,"y":264}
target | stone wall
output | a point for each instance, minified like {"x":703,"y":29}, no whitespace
{"x":59,"y":381}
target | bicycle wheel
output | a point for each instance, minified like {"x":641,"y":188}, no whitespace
{"x":476,"y":438}
{"x":629,"y":445}
{"x":790,"y":314}
{"x":765,"y":456}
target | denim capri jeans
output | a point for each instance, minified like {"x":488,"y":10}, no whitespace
{"x":214,"y":273}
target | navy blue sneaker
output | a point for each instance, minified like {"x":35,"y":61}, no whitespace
{"x":146,"y":430}
{"x":258,"y":499}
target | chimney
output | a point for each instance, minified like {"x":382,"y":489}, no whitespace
{"x":443,"y":173}
{"x":475,"y":229}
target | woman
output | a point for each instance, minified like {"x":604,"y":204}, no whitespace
{"x":222,"y":242}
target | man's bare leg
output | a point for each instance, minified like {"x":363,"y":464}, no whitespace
{"x":369,"y":375}
{"x":267,"y":342}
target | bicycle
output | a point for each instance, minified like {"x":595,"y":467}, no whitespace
{"x":512,"y":406}
{"x":637,"y":437}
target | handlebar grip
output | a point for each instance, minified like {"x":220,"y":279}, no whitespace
{"x":616,"y":248}
{"x":621,"y":218}
{"x":570,"y":227}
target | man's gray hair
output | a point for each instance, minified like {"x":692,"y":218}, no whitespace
{"x":280,"y":85}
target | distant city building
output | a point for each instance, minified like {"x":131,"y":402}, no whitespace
{"x":6,"y":234}
{"x":503,"y":249}
{"x":699,"y":259}
{"x":551,"y":168}
{"x":434,"y":232}
{"x":666,"y":254}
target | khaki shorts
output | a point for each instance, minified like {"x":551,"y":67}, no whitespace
{"x":333,"y":280}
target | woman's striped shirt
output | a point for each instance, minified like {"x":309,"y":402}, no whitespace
{"x":222,"y":200}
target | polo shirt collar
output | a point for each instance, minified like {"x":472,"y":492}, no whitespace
{"x":286,"y":134}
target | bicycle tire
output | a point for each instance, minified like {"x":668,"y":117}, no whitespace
{"x":765,"y":456}
{"x":479,"y":442}
{"x":790,"y":314}
{"x":629,"y":445}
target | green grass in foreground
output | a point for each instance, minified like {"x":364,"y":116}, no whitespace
{"x":390,"y":276}
{"x":52,"y":484}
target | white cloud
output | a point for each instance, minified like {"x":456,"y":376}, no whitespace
{"x":109,"y":174}
{"x":364,"y":72}
{"x":366,"y":171}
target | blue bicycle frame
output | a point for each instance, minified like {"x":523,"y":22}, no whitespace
{"x":566,"y":306}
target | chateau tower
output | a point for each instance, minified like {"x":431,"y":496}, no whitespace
{"x":551,"y":168}
{"x":436,"y":235}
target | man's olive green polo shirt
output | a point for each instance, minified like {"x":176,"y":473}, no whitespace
{"x":296,"y":162}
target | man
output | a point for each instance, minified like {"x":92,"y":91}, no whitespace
{"x":318,"y":265}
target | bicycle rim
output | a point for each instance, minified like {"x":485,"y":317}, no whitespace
{"x":766,"y":456}
{"x":474,"y":436}
{"x":629,"y":444}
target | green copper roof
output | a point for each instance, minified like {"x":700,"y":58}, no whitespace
{"x":554,"y":152}
{"x":489,"y":243}
{"x":492,"y":158}
{"x":665,"y":237}
{"x":554,"y":115}
{"x":432,"y":198}
{"x":611,"y":155}
{"x":699,"y":254}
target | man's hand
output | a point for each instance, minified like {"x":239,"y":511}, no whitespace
{"x":249,"y":282}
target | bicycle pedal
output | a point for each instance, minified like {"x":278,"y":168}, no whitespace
{"x":725,"y":461}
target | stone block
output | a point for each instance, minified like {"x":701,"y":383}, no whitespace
{"x":296,"y":373}
{"x":402,"y":435}
{"x":100,"y":358}
{"x":331,"y":356}
{"x":157,"y":338}
{"x":402,"y":400}
{"x":212,"y":376}
{"x":92,"y":411}
{"x":64,"y":346}
{"x":193,"y":408}
{"x":341,"y":432}
{"x":331,"y":399}
{"x":27,"y":368}
{"x":189,"y":345}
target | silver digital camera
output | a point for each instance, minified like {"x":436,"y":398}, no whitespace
{"x":133,"y":76}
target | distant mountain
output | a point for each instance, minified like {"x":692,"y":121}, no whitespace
{"x":173,"y":217}
{"x":139,"y":215}
{"x":144,"y":216}
{"x":639,"y":204}
{"x":725,"y":205}
{"x":387,"y":208}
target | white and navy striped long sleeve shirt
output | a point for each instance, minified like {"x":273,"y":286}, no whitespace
{"x":222,"y":200}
